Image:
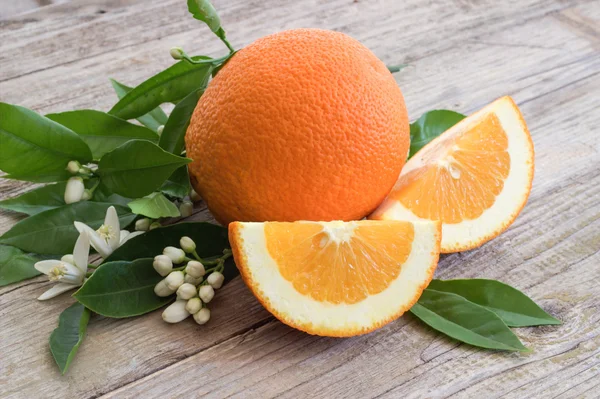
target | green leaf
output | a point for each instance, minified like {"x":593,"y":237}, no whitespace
{"x":430,"y":125}
{"x":52,"y":231}
{"x":122,"y":289}
{"x":172,"y":84}
{"x":103,"y":194}
{"x":172,"y":138}
{"x":68,"y":336}
{"x":396,"y":68}
{"x":154,"y":206}
{"x":152,"y":119}
{"x":210,"y":241}
{"x":511,"y":305}
{"x":31,"y":144}
{"x":178,"y":185}
{"x":37,"y":200}
{"x":51,"y":196}
{"x":15,"y":265}
{"x":42,"y":177}
{"x":102,"y":132}
{"x":465,"y":321}
{"x":137,"y":168}
{"x":204,"y":11}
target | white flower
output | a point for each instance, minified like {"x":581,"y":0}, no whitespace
{"x":162,"y":290}
{"x":87,"y":195}
{"x":73,"y":167}
{"x":187,"y":244}
{"x":174,"y":280}
{"x":176,"y":254}
{"x":67,"y":274}
{"x":192,"y":280}
{"x":176,"y":312}
{"x":202,"y":316}
{"x":194,"y":196}
{"x":142,"y":224}
{"x":176,"y":53}
{"x":186,"y":209}
{"x":195,"y":269}
{"x":216,"y":280}
{"x":193,"y":305}
{"x":162,"y":264}
{"x":74,"y":190}
{"x":186,"y":291}
{"x":206,"y":293}
{"x":109,"y":236}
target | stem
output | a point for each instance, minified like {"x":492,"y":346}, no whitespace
{"x":229,"y":46}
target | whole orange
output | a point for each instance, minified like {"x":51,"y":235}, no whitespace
{"x":305,"y":124}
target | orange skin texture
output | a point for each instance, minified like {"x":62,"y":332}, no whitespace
{"x":304,"y":124}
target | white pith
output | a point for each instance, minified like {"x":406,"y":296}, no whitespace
{"x":508,"y":203}
{"x":301,"y":309}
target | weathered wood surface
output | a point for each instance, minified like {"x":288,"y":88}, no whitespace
{"x":462,"y":55}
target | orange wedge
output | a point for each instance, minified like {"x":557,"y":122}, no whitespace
{"x":475,"y":178}
{"x":336,"y":279}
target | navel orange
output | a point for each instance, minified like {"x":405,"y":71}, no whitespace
{"x":336,"y":278}
{"x":475,"y":178}
{"x":305,"y":124}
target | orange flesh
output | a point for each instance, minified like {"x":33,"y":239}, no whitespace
{"x":466,"y":170}
{"x":360,"y":264}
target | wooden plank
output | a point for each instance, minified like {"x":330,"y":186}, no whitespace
{"x":553,"y":260}
{"x":527,"y":58}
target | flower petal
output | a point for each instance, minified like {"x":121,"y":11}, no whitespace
{"x":130,"y":236}
{"x":123,"y":235}
{"x":81,"y":251}
{"x":112,"y":221}
{"x":45,"y":266}
{"x":95,"y":240}
{"x":56,"y":289}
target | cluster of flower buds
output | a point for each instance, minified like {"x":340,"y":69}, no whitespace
{"x":193,"y":283}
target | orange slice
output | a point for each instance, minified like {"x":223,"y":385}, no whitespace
{"x":336,"y":278}
{"x":475,"y":178}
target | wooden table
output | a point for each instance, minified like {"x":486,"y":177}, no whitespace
{"x":462,"y":55}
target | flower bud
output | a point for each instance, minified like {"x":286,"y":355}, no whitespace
{"x":73,"y":167}
{"x":192,"y":280}
{"x":186,"y":291}
{"x":142,"y":224}
{"x":216,"y":280}
{"x":87,"y":195}
{"x":202,"y":316}
{"x":176,"y":53}
{"x":176,"y":254}
{"x":174,"y":280}
{"x":195,"y":269}
{"x":161,"y":289}
{"x":186,"y":208}
{"x":194,"y":196}
{"x":193,"y":305}
{"x":68,"y":259}
{"x":74,"y":190}
{"x":160,"y":129}
{"x":176,"y":312}
{"x":206,"y":293}
{"x":162,"y":264}
{"x":187,"y":244}
{"x":154,"y":225}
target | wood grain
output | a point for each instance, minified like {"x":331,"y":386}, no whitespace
{"x":462,"y":55}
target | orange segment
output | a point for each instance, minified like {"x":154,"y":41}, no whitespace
{"x":328,"y":266}
{"x":475,"y":178}
{"x":467,"y":171}
{"x":336,"y":278}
